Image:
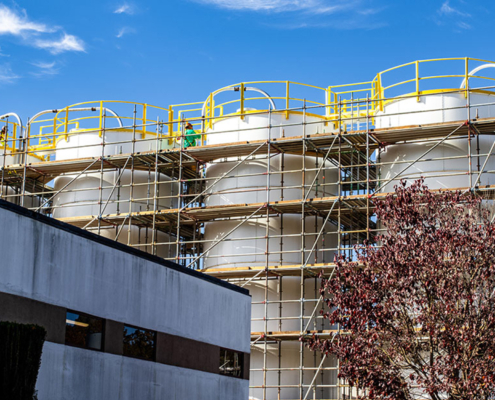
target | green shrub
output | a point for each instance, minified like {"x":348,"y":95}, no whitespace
{"x":20,"y":358}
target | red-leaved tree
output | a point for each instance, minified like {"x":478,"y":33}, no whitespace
{"x":416,"y":313}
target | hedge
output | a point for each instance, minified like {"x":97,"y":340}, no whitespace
{"x":20,"y":358}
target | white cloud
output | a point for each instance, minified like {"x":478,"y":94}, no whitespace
{"x":463,"y":25}
{"x":317,"y":6}
{"x":45,"y":68}
{"x":6,"y":74}
{"x":447,"y":9}
{"x":124,"y":8}
{"x":124,"y":31}
{"x":66,"y":43}
{"x":18,"y":23}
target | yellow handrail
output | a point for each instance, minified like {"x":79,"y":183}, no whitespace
{"x":335,"y":100}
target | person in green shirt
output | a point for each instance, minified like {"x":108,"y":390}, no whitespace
{"x":190,"y":136}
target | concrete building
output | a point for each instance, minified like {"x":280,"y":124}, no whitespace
{"x":121,"y":324}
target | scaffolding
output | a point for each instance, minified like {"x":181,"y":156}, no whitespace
{"x":137,"y":144}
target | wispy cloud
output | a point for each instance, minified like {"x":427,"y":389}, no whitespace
{"x":124,"y":31}
{"x":125,"y":8}
{"x":65,"y":43}
{"x":316,"y":6}
{"x":7,"y":75}
{"x":451,"y":15}
{"x":463,"y":25}
{"x":45,"y":68}
{"x":18,"y":23}
{"x":447,"y":9}
{"x":300,"y":14}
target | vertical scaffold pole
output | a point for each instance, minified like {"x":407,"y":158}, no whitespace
{"x":179,"y":193}
{"x":303,"y":254}
{"x":267,"y":254}
{"x":131,"y":188}
{"x":368,"y":167}
{"x":102,"y":165}
{"x":155,"y":188}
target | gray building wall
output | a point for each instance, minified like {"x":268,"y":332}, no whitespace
{"x":64,"y":375}
{"x":46,"y":261}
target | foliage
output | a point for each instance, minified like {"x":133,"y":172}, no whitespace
{"x":20,"y":359}
{"x":139,"y":343}
{"x":417,"y":312}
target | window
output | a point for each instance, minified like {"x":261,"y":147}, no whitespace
{"x":84,"y":330}
{"x":231,"y":363}
{"x":139,"y":343}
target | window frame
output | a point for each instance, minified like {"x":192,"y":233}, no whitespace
{"x":240,"y":356}
{"x":155,"y":342}
{"x":103,"y":331}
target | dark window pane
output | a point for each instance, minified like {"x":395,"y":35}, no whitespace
{"x":83,"y":330}
{"x":231,"y":363}
{"x":139,"y":343}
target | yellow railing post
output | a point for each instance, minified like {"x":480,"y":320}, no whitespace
{"x":101,"y":118}
{"x":242,"y":101}
{"x":14,"y":143}
{"x":210,"y":112}
{"x":54,"y":127}
{"x":28,"y":134}
{"x":381,"y":92}
{"x":466,"y":77}
{"x":170,"y":121}
{"x":212,"y":109}
{"x":287,"y":100}
{"x":417,"y":81}
{"x":328,"y":100}
{"x":66,"y":127}
{"x":144,"y":120}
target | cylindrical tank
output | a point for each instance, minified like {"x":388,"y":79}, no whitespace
{"x":14,"y":195}
{"x":80,"y":195}
{"x":447,"y":165}
{"x":286,"y":356}
{"x":247,"y":245}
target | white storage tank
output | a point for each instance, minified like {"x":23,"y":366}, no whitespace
{"x":9,"y":157}
{"x":447,"y":165}
{"x":81,"y":197}
{"x":246,"y":246}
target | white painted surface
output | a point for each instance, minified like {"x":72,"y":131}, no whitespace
{"x":78,"y":374}
{"x":57,"y":267}
{"x":435,"y":108}
{"x":439,"y":167}
{"x":257,"y":127}
{"x":438,"y":171}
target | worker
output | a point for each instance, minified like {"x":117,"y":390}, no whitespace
{"x":190,"y":136}
{"x":3,"y":136}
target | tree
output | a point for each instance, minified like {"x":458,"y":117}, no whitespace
{"x":416,"y":312}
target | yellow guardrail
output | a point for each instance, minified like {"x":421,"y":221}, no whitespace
{"x":10,"y":133}
{"x":378,"y":93}
{"x":333,"y":103}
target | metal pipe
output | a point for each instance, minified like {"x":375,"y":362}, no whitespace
{"x":473,"y":71}
{"x":236,"y":89}
{"x":55,"y":111}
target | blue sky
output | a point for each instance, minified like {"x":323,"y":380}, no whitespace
{"x":56,"y":53}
